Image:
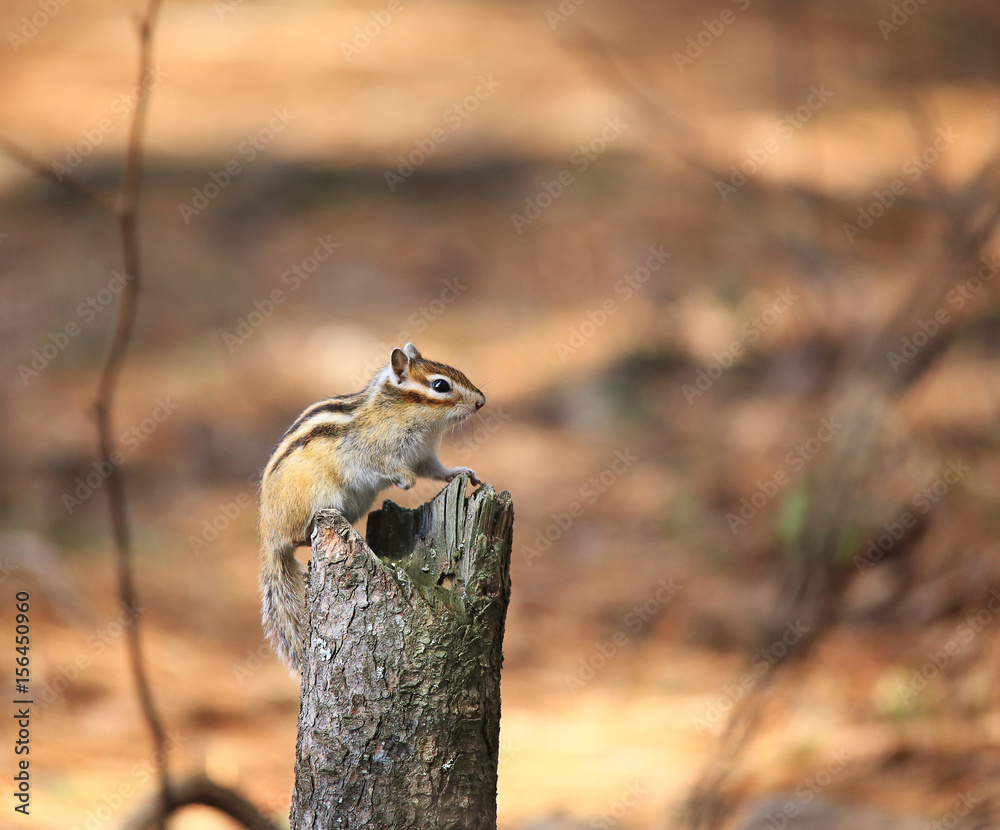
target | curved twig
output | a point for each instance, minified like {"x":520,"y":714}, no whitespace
{"x":18,"y":153}
{"x":126,"y":208}
{"x":199,"y":790}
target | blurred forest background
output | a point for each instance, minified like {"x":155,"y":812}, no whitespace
{"x":725,"y":271}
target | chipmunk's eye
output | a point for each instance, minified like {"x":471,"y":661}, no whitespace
{"x":441,"y":386}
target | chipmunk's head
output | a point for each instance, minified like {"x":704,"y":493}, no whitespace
{"x":442,"y":392}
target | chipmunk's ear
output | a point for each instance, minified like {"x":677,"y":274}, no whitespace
{"x":411,"y":351}
{"x":400,"y":362}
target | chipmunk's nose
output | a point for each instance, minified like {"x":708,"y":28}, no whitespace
{"x":481,"y":402}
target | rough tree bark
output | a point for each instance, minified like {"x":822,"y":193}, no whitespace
{"x":399,"y":720}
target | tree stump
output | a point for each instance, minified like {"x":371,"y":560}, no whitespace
{"x":399,"y":719}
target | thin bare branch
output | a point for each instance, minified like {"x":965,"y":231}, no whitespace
{"x":192,"y":791}
{"x":198,"y":790}
{"x":128,"y":197}
{"x":39,"y":168}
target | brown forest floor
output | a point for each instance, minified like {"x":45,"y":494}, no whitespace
{"x":628,"y":634}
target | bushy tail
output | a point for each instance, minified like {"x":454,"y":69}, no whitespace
{"x":282,"y":589}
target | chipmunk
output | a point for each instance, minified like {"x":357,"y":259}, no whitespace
{"x":340,"y":453}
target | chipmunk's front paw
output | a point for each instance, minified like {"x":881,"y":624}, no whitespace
{"x":404,"y":481}
{"x":454,"y":472}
